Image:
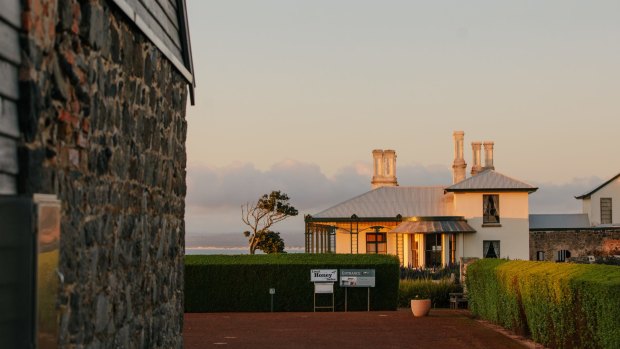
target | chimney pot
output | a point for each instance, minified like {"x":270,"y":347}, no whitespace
{"x":384,"y":164}
{"x":476,"y":167}
{"x":459,"y":165}
{"x":488,"y":155}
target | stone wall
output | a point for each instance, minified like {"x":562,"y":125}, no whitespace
{"x":103,"y":127}
{"x":580,"y":242}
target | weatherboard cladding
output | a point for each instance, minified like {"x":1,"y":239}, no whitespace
{"x":491,"y":180}
{"x":164,"y":22}
{"x":559,"y":221}
{"x":10,"y":60}
{"x":392,"y":201}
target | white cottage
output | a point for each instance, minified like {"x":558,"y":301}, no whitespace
{"x":598,"y":204}
{"x":484,"y":216}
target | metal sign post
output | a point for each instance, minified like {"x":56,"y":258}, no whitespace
{"x":324,"y":287}
{"x":324,"y":283}
{"x":272,"y":291}
{"x":357,"y":278}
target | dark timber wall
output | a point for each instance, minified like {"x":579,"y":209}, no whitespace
{"x":10,"y":59}
{"x":103,"y":127}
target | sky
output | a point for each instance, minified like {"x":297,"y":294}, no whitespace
{"x":295,"y":94}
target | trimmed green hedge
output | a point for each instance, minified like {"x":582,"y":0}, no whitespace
{"x":241,"y":283}
{"x":559,"y":305}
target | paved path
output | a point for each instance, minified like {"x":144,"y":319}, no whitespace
{"x":444,"y":328}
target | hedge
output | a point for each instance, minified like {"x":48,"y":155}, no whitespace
{"x":558,"y":305}
{"x":215,"y":283}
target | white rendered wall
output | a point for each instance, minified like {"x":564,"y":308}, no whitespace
{"x":513,"y":232}
{"x":611,"y":190}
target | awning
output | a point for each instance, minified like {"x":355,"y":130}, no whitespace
{"x":432,"y":227}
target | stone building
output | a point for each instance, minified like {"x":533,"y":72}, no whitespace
{"x":595,"y":231}
{"x":484,"y":215}
{"x":92,"y":172}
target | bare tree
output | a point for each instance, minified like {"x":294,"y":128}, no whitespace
{"x":267,"y":211}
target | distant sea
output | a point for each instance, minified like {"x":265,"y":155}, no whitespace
{"x":232,"y":250}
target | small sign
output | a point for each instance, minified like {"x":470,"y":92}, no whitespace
{"x":323,"y":287}
{"x":357,"y":278}
{"x":272,"y":291}
{"x":324,"y":275}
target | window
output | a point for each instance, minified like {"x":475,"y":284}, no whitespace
{"x":606,"y":211}
{"x":414,"y":256}
{"x":562,"y":255}
{"x":433,"y":250}
{"x":376,"y":243}
{"x":540,"y":255}
{"x":490,"y":249}
{"x":490,"y":208}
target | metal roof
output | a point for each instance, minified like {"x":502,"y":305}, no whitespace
{"x":431,"y":227}
{"x":559,"y":221}
{"x":587,"y":195}
{"x":490,"y":180}
{"x":392,"y":201}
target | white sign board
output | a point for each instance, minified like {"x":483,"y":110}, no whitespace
{"x":324,"y":275}
{"x":357,"y":278}
{"x":324,"y":287}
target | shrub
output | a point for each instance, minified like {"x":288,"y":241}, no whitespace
{"x":437,"y":290}
{"x":241,"y":282}
{"x":426,"y":273}
{"x":559,"y":305}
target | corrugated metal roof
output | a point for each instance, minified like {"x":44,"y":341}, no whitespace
{"x":588,"y":194}
{"x":392,"y":201}
{"x":559,"y":221}
{"x":491,"y":180}
{"x":431,"y":227}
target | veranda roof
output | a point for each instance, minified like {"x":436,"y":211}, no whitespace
{"x":441,"y":225}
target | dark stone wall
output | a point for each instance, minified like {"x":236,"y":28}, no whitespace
{"x":580,"y":242}
{"x":103,"y":127}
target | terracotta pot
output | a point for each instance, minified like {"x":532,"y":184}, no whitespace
{"x":420,"y":307}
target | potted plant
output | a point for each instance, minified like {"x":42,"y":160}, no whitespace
{"x":420,"y":306}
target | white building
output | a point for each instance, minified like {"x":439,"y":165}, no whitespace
{"x":598,"y":204}
{"x":485,"y":215}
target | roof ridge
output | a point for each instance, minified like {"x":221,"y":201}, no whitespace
{"x":493,"y":176}
{"x":584,"y":196}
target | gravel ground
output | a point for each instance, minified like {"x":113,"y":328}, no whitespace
{"x":443,"y":328}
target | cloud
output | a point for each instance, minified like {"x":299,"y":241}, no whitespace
{"x":560,"y":198}
{"x":231,"y":186}
{"x":236,"y":184}
{"x":215,"y":194}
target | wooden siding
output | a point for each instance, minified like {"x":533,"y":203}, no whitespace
{"x":10,"y":12}
{"x":163,"y":22}
{"x":9,"y":92}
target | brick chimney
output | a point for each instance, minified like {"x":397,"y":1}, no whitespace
{"x":459,"y":165}
{"x":384,"y":168}
{"x":476,"y":167}
{"x":488,"y":155}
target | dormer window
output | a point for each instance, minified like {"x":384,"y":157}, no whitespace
{"x":490,"y":209}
